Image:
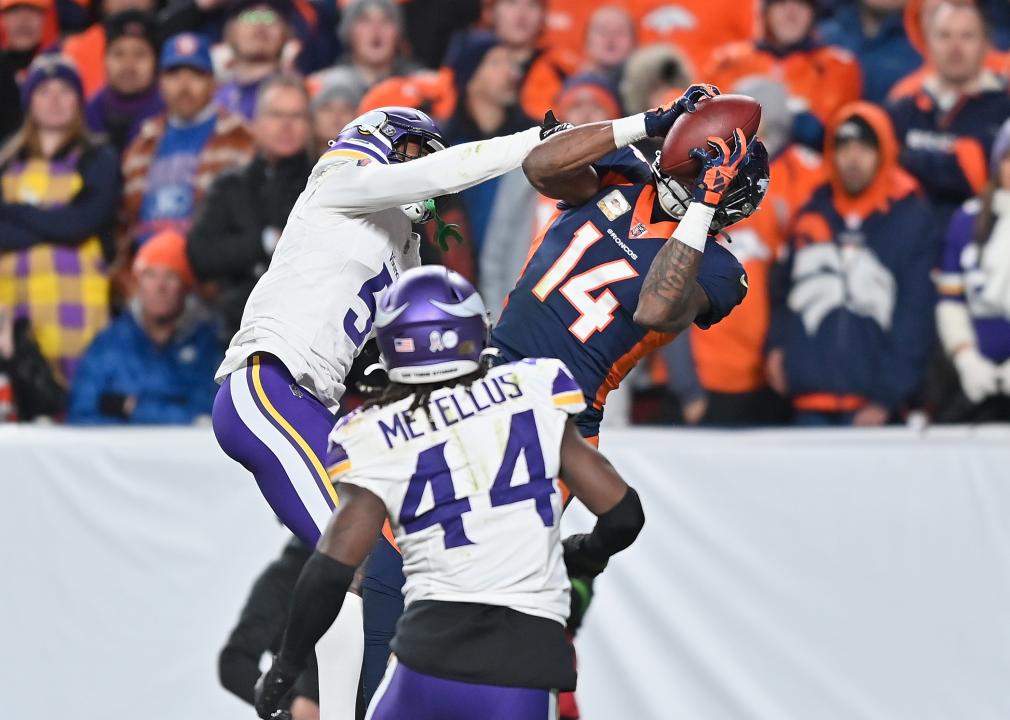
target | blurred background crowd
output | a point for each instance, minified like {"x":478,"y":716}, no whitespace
{"x":151,"y":150}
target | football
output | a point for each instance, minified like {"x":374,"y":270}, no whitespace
{"x":718,"y":116}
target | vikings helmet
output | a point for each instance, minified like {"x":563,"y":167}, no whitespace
{"x":431,"y":326}
{"x":741,"y":199}
{"x":383,"y":134}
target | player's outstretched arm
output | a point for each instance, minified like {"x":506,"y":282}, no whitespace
{"x":375,"y":186}
{"x":319,"y":593}
{"x":594,"y":481}
{"x":561,"y":167}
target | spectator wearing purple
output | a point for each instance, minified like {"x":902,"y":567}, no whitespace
{"x":256,"y":33}
{"x":973,"y":314}
{"x":131,"y":93}
{"x":487,"y":88}
{"x":58,"y":202}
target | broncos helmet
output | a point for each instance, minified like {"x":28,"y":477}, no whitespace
{"x":741,"y":199}
{"x":383,"y":134}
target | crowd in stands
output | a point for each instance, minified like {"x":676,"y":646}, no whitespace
{"x":151,"y":150}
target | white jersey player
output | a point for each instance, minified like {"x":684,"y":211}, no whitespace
{"x":464,"y":460}
{"x":346,"y":239}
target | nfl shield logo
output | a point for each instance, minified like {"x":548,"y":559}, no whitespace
{"x":403,"y":345}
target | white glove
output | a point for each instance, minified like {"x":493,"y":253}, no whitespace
{"x":417,"y":212}
{"x":1004,"y":377}
{"x":979,"y":377}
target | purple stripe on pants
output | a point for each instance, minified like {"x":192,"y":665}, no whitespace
{"x":304,"y":413}
{"x":407,"y":693}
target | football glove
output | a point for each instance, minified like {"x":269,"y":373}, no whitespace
{"x":718,"y":167}
{"x":580,"y":560}
{"x":659,"y":121}
{"x":552,"y":126}
{"x":272,"y":689}
{"x":581,"y":597}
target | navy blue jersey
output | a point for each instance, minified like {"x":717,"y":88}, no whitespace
{"x":575,"y":299}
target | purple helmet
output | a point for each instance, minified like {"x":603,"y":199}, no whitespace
{"x":431,"y":326}
{"x":381,"y":134}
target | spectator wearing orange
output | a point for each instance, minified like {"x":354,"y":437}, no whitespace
{"x":431,"y":92}
{"x":519,"y":25}
{"x":874,"y":31}
{"x":88,"y":48}
{"x":610,"y":40}
{"x":23,"y":30}
{"x":131,"y":95}
{"x":176,"y":156}
{"x":820,"y":78}
{"x":852,"y":323}
{"x":695,"y":26}
{"x":947,"y":127}
{"x":58,"y":203}
{"x":730,"y":356}
{"x":155,"y":363}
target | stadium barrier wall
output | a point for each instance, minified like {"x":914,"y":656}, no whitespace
{"x":782,"y":575}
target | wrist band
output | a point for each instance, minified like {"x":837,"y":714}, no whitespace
{"x":694,"y":227}
{"x":629,"y":129}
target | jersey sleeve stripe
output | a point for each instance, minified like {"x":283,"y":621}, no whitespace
{"x":353,"y":154}
{"x":338,"y":468}
{"x":569,"y":398}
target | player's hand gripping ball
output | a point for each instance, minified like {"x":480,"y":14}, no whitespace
{"x":659,"y":121}
{"x":271,"y":690}
{"x":719,"y":167}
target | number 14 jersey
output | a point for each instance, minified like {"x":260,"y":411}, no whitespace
{"x":471,"y":486}
{"x":576,"y":297}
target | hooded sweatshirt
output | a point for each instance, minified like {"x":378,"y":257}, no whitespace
{"x":854,"y":301}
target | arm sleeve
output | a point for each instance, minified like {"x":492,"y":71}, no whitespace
{"x":220,"y":245}
{"x":373,"y":187}
{"x":91,"y":210}
{"x":960,"y":171}
{"x":911,"y":335}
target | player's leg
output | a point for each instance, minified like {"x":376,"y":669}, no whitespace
{"x":382,"y":591}
{"x":406,"y":693}
{"x":278,"y":431}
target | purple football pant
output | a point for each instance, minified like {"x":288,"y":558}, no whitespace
{"x":278,"y":432}
{"x":407,"y":694}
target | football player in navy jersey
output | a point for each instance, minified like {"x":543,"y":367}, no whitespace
{"x":629,"y":259}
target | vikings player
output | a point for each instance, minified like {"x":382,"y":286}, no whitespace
{"x":464,"y":460}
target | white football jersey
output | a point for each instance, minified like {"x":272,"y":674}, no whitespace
{"x":472,"y":491}
{"x":345,"y":241}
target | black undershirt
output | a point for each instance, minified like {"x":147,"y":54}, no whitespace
{"x":484,"y":644}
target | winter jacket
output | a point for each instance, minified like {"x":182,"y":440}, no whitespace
{"x":947,"y":150}
{"x":172,"y":384}
{"x":854,"y":302}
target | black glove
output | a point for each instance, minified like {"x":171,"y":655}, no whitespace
{"x":273,"y":688}
{"x":659,"y":121}
{"x":580,"y":559}
{"x":552,"y":126}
